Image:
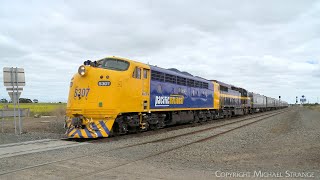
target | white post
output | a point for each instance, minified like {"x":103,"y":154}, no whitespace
{"x":2,"y":121}
{"x":14,"y":104}
{"x":20,"y":123}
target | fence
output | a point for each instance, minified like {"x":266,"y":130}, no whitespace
{"x":10,"y":113}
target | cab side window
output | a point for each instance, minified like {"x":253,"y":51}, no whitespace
{"x":137,"y":73}
{"x":145,"y":73}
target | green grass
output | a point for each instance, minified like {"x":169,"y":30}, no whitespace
{"x":43,"y":109}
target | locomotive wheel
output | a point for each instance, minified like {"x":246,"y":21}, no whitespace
{"x":229,"y":114}
{"x":119,"y":128}
{"x":196,"y":119}
{"x":153,"y":126}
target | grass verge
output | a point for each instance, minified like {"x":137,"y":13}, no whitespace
{"x":42,"y":109}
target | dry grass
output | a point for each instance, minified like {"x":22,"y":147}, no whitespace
{"x":60,"y":112}
{"x":314,"y":107}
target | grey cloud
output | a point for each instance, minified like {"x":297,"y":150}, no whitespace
{"x":260,"y":45}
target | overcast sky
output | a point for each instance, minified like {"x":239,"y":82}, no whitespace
{"x":270,"y":47}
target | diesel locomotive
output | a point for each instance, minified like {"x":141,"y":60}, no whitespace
{"x":115,"y":96}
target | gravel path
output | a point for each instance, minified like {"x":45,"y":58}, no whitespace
{"x":288,"y":142}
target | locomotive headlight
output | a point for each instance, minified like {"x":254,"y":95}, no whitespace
{"x":82,"y":70}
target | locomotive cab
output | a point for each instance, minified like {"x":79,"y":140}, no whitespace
{"x":102,"y":90}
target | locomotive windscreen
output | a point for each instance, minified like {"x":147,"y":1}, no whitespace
{"x":114,"y":64}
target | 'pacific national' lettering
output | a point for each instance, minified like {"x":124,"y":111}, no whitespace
{"x":167,"y":100}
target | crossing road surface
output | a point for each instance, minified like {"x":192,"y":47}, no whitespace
{"x":15,"y":149}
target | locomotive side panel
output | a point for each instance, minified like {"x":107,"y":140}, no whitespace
{"x":216,"y":104}
{"x":170,"y":94}
{"x":135,"y":89}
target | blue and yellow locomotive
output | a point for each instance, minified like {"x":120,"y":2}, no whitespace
{"x":115,"y":96}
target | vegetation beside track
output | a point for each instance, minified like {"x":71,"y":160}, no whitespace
{"x":312,"y":106}
{"x":41,"y":109}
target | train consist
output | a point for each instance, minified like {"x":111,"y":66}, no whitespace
{"x":115,"y":96}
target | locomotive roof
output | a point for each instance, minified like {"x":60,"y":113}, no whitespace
{"x":172,"y":71}
{"x":176,"y":72}
{"x":222,"y":83}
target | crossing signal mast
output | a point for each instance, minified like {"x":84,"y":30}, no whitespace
{"x":303,"y":100}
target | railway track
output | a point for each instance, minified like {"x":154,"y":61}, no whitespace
{"x":231,"y":127}
{"x":220,"y":130}
{"x":172,"y":128}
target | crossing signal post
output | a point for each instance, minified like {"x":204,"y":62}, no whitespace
{"x":303,"y":99}
{"x":14,"y":81}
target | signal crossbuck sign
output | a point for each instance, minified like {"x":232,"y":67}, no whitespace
{"x":14,"y":80}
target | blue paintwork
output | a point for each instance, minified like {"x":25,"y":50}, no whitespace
{"x":88,"y":133}
{"x":95,"y":128}
{"x":103,"y":125}
{"x":202,"y":100}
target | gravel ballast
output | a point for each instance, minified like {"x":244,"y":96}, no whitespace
{"x":286,"y":142}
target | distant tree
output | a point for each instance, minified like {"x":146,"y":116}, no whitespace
{"x":24,"y":100}
{"x":4,"y":100}
{"x":35,"y":101}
